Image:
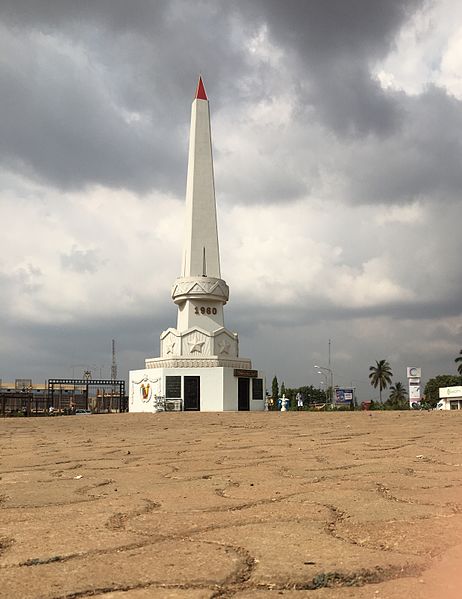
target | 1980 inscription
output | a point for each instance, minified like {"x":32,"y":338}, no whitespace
{"x":204,"y":310}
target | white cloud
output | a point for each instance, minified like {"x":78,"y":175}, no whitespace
{"x":297,"y":255}
{"x":262,"y":50}
{"x":409,"y":214}
{"x":427,"y":50}
{"x":451,"y":65}
{"x":131,"y":244}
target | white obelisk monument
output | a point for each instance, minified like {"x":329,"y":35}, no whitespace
{"x":199,"y":368}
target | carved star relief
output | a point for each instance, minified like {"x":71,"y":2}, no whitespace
{"x":196,"y":346}
{"x":169,"y":347}
{"x":224,"y":346}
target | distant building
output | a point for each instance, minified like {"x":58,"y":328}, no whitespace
{"x":63,"y":396}
{"x":22,"y":396}
{"x":450,"y":398}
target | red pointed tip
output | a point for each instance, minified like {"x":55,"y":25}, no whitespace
{"x":200,"y":91}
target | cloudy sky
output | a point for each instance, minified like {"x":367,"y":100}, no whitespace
{"x":337,"y":143}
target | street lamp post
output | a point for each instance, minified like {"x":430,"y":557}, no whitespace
{"x":331,"y":374}
{"x":324,"y":382}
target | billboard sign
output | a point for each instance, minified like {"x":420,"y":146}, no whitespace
{"x":413,"y":371}
{"x":414,"y":392}
{"x":23,"y":383}
{"x":450,"y":391}
{"x":413,"y":377}
{"x":343,"y":396}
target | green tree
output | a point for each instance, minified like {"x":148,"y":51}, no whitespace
{"x":458,"y":361}
{"x":380,"y":375}
{"x":283,"y":389}
{"x":310,"y":395}
{"x":443,"y":380}
{"x":376,"y":405}
{"x":275,"y":391}
{"x":398,"y":397}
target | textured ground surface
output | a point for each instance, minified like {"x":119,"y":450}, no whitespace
{"x":202,"y":506}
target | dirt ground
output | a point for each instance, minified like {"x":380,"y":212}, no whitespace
{"x":243,"y":505}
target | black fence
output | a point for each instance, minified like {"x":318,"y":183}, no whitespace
{"x":65,"y":396}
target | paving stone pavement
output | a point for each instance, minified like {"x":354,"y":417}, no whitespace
{"x":244,"y":505}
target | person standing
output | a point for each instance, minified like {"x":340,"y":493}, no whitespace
{"x":299,"y":399}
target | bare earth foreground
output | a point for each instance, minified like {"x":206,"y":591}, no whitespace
{"x":245,"y":505}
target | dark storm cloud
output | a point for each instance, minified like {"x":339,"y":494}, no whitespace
{"x":406,"y":146}
{"x":50,"y":350}
{"x":94,"y":92}
{"x":320,"y":31}
{"x":40,"y":351}
{"x":241,"y":316}
{"x":98,"y":91}
{"x":336,"y":43}
{"x":57,"y":127}
{"x":423,"y":159}
{"x":77,"y":19}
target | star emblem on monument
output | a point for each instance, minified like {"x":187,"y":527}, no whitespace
{"x":196,"y":346}
{"x":224,"y":346}
{"x":169,"y":347}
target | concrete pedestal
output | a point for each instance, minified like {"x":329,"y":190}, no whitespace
{"x":209,"y":389}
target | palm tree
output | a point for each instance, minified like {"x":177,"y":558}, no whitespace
{"x":459,"y":359}
{"x":380,"y":375}
{"x":397,"y":394}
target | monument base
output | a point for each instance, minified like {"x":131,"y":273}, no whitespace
{"x":207,"y":389}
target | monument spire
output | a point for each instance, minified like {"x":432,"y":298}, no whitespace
{"x":199,"y":366}
{"x":201,"y":253}
{"x":200,"y":91}
{"x":200,"y":292}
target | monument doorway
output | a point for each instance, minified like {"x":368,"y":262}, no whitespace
{"x":243,"y":394}
{"x":192,"y":393}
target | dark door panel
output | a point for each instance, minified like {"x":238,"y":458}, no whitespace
{"x":243,"y":394}
{"x":192,"y":393}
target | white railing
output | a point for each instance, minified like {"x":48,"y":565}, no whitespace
{"x":162,"y":404}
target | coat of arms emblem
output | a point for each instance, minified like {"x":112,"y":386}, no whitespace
{"x":145,"y":391}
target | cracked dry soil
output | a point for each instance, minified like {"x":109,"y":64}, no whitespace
{"x":241,"y":505}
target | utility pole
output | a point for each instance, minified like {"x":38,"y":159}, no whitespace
{"x":113,"y":376}
{"x":331,"y":376}
{"x":114,"y":363}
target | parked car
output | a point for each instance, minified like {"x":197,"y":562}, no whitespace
{"x":81,"y":411}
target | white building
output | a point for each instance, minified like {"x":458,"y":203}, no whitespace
{"x":450,"y":398}
{"x":199,"y":367}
